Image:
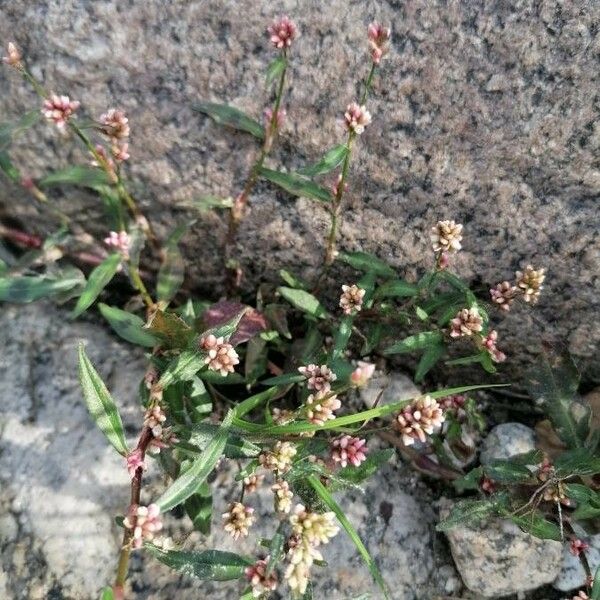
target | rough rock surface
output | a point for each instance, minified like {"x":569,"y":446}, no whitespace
{"x":506,"y":440}
{"x":396,"y":387}
{"x":572,"y":574}
{"x":497,"y":559}
{"x":485,"y":112}
{"x":61,"y":485}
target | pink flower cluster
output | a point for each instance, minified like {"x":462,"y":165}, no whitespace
{"x":282,"y":32}
{"x":362,"y":374}
{"x":320,"y":407}
{"x":379,"y":37}
{"x":115,"y":125}
{"x":578,"y":546}
{"x":259,"y":580}
{"x":13,"y":56}
{"x":145,"y":522}
{"x":58,"y":109}
{"x":356,"y":117}
{"x":489,"y":343}
{"x":279,"y":119}
{"x":319,"y":378}
{"x":347,"y":449}
{"x":121,"y":242}
{"x":221,"y":355}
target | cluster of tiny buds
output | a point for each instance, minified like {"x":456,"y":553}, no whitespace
{"x":379,"y":37}
{"x":488,"y":343}
{"x":282,"y":32}
{"x":581,"y":595}
{"x":362,"y":374}
{"x":252,"y":482}
{"x":279,"y":119}
{"x":446,"y":237}
{"x":259,"y":580}
{"x":13,"y":56}
{"x":318,"y":378}
{"x":145,"y":522}
{"x":119,"y":241}
{"x":221,"y":355}
{"x":238,"y":519}
{"x":347,"y":449}
{"x":351,"y":300}
{"x":356,"y":118}
{"x":335,"y":188}
{"x":557,"y":494}
{"x":58,"y":109}
{"x":280,"y":458}
{"x":422,"y":416}
{"x":161,"y":437}
{"x":115,"y":125}
{"x":282,"y":495}
{"x":487,"y":485}
{"x":528,"y":284}
{"x":320,"y":407}
{"x":578,"y":546}
{"x":135,"y":461}
{"x":466,"y":322}
{"x":454,"y":402}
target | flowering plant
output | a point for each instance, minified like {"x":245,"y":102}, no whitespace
{"x":271,"y":383}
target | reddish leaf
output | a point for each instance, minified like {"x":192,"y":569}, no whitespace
{"x":252,"y":323}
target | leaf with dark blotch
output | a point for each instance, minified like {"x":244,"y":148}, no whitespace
{"x":24,"y":289}
{"x":429,"y":359}
{"x":187,"y":483}
{"x":331,"y":159}
{"x":214,"y":565}
{"x":363,"y":261}
{"x":100,"y":404}
{"x":419,"y":341}
{"x":553,"y":384}
{"x":304,"y":301}
{"x":468,"y":512}
{"x":171,"y":329}
{"x":297,"y":185}
{"x":99,"y":278}
{"x":251,"y":323}
{"x":535,"y":524}
{"x":128,"y":326}
{"x":223,"y":114}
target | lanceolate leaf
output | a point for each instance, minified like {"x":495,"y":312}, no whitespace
{"x":468,"y":512}
{"x":187,"y":483}
{"x":30,"y":288}
{"x":99,"y":278}
{"x":209,"y":564}
{"x":429,"y":359}
{"x":100,"y":403}
{"x":419,"y":341}
{"x":128,"y":326}
{"x":275,"y":69}
{"x":235,"y":446}
{"x":330,"y":161}
{"x":199,"y":508}
{"x":8,"y":131}
{"x":577,"y":462}
{"x":231,"y":117}
{"x":329,"y":501}
{"x":535,"y":524}
{"x":553,"y":384}
{"x":172,"y":269}
{"x":297,"y":185}
{"x":304,"y":301}
{"x":183,"y":367}
{"x":89,"y":177}
{"x":363,"y":261}
{"x":396,"y":288}
{"x":596,"y":586}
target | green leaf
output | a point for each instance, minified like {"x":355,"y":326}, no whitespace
{"x":419,"y":341}
{"x":107,"y":594}
{"x":506,"y":471}
{"x":255,"y":401}
{"x":367,"y":468}
{"x":223,"y":114}
{"x":235,"y":446}
{"x":24,"y":289}
{"x":329,"y":501}
{"x":199,"y":508}
{"x":297,"y":185}
{"x":304,"y":301}
{"x":275,"y":69}
{"x":128,"y":326}
{"x":579,"y":492}
{"x":187,"y":483}
{"x":292,"y":280}
{"x":214,"y":565}
{"x":100,"y":404}
{"x":342,"y":336}
{"x":596,"y":586}
{"x":535,"y":524}
{"x":429,"y":359}
{"x":553,"y":383}
{"x":577,"y":462}
{"x":172,"y":269}
{"x":468,"y":512}
{"x":206,"y":203}
{"x":7,"y":167}
{"x":396,"y":288}
{"x":369,"y":263}
{"x":89,"y":177}
{"x":331,"y":159}
{"x":183,"y":367}
{"x":99,"y":278}
{"x":276,"y":548}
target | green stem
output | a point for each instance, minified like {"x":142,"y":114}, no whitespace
{"x":139,"y":285}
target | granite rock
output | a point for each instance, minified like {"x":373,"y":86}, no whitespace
{"x":572,"y":574}
{"x":506,"y":440}
{"x":485,"y":112}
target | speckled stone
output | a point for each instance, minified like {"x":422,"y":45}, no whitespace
{"x":506,"y":440}
{"x":572,"y":574}
{"x":485,"y":112}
